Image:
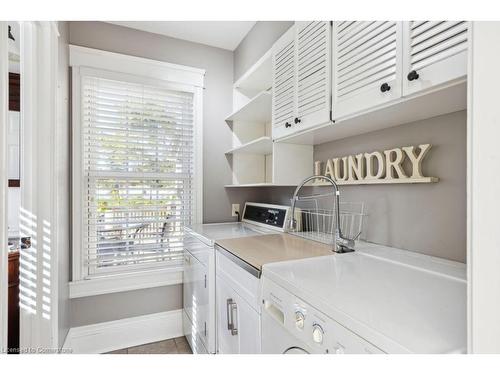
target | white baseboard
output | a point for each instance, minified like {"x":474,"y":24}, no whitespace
{"x":124,"y":333}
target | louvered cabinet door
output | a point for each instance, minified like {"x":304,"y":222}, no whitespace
{"x":434,"y":53}
{"x":284,"y":85}
{"x":313,"y":41}
{"x":367,"y":65}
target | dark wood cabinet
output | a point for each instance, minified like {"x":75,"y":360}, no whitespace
{"x":14,"y":92}
{"x":13,"y":317}
{"x":14,"y":105}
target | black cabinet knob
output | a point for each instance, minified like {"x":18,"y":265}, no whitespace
{"x":413,"y":75}
{"x":297,"y":120}
{"x":385,"y":87}
{"x":287,"y":124}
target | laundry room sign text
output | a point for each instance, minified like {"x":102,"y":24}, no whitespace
{"x":402,"y":165}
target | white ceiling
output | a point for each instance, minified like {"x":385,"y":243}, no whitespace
{"x":222,"y":34}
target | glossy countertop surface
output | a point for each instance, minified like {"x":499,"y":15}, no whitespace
{"x":209,"y":233}
{"x":271,"y":248}
{"x":398,"y":300}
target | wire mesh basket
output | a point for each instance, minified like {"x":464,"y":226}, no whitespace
{"x":318,"y":224}
{"x":314,"y":216}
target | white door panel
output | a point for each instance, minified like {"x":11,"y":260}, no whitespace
{"x":435,"y":53}
{"x":195,"y":291}
{"x":302,"y":78}
{"x":314,"y":74}
{"x":367,"y":65}
{"x":227,"y":342}
{"x":13,"y":145}
{"x":238,"y":323}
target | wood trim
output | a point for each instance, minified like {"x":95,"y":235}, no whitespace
{"x":14,"y":92}
{"x":124,"y":333}
{"x":138,"y":66}
{"x":125,"y":282}
{"x":13,"y":308}
{"x":14,"y":183}
{"x":4,"y":119}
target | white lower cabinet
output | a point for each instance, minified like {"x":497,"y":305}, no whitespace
{"x":238,"y":324}
{"x":196,"y":303}
{"x":238,"y":295}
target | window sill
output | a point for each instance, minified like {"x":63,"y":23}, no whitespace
{"x":125,"y":282}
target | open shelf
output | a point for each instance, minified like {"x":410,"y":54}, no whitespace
{"x":258,"y":78}
{"x":261,"y":146}
{"x":258,"y":109}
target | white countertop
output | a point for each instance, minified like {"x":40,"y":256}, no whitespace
{"x":209,"y":233}
{"x":398,"y":300}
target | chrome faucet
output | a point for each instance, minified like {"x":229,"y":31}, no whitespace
{"x":340,"y":243}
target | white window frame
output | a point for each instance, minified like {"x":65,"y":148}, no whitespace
{"x":144,"y":71}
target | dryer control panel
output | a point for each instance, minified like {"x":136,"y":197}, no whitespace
{"x":266,"y":215}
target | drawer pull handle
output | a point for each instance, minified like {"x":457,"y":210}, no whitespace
{"x":231,"y":308}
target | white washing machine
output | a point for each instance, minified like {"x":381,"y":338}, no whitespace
{"x":291,"y":326}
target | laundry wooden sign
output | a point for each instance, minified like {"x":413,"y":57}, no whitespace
{"x":402,"y":165}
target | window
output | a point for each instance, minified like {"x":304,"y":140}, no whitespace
{"x":135,"y":170}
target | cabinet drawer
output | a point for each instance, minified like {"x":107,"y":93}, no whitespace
{"x":244,"y":283}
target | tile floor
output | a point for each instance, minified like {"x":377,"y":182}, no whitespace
{"x":178,"y":345}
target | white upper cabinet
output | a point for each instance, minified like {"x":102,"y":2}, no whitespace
{"x":367,"y":65}
{"x":435,"y":53}
{"x":301,"y":78}
{"x":313,"y":73}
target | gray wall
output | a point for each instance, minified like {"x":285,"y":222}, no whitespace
{"x":63,"y":204}
{"x":257,"y":42}
{"x":426,"y":218}
{"x":107,"y":307}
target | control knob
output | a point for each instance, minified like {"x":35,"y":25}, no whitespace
{"x":299,"y":320}
{"x":318,"y":334}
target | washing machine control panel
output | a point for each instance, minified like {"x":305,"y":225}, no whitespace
{"x":312,"y":330}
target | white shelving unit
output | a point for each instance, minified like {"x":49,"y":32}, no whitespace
{"x":256,"y":79}
{"x":257,"y":161}
{"x":258,"y":109}
{"x":261,"y":146}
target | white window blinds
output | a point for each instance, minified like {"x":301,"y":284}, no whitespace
{"x":137,"y":174}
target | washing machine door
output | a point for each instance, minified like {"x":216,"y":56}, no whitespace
{"x":295,"y":350}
